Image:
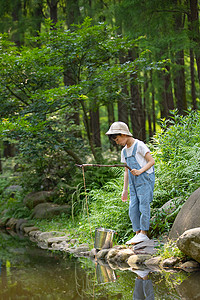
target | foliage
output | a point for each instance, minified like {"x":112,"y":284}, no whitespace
{"x":177,"y":149}
{"x":177,"y":176}
{"x":43,"y":86}
{"x":169,"y":250}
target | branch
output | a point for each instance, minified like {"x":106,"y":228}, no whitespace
{"x":19,"y":98}
{"x":97,"y":165}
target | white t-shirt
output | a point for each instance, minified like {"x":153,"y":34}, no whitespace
{"x":142,"y":149}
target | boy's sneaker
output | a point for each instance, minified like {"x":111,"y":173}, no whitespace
{"x":138,"y":238}
{"x":141,"y":273}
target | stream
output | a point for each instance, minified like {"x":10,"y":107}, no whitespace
{"x":28,"y":272}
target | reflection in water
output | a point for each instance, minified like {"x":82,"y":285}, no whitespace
{"x":104,"y":273}
{"x":30,"y":273}
{"x":143,"y":286}
{"x":189,"y":289}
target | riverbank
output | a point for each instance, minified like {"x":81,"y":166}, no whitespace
{"x":151,"y":255}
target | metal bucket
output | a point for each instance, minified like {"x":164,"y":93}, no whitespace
{"x":104,"y":273}
{"x":103,"y":238}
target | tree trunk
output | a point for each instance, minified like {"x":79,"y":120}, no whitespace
{"x":195,"y":35}
{"x":179,"y":83}
{"x":179,"y":79}
{"x":153,"y":102}
{"x":111,"y":117}
{"x":136,"y":108}
{"x":193,"y":90}
{"x":9,"y":150}
{"x":95,"y":126}
{"x":122,"y":103}
{"x":1,"y":169}
{"x":73,"y":12}
{"x":16,"y":15}
{"x":167,"y":103}
{"x":53,"y":6}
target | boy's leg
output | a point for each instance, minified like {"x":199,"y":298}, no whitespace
{"x":134,"y":213}
{"x":145,"y":197}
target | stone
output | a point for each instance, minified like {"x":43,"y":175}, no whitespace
{"x":11,"y":190}
{"x":11,"y":223}
{"x":153,"y":261}
{"x":58,"y":239}
{"x":189,"y":243}
{"x":34,"y":233}
{"x":49,"y":210}
{"x":112,"y":253}
{"x":170,"y":262}
{"x":44,"y":236}
{"x":42,"y":245}
{"x":27,"y":230}
{"x":102,"y":254}
{"x":19,"y":223}
{"x":144,"y":244}
{"x":190,"y":287}
{"x":93,"y":253}
{"x":146,"y":250}
{"x":190,"y":265}
{"x":138,"y":259}
{"x":25,"y":224}
{"x":188,"y":216}
{"x":33,"y":199}
{"x":123,"y":255}
{"x":81,"y":249}
{"x":3,"y":222}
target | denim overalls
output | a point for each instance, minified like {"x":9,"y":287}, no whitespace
{"x":141,"y":193}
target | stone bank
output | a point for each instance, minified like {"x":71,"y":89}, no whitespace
{"x":139,"y":256}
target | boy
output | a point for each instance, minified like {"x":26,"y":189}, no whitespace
{"x":140,"y":179}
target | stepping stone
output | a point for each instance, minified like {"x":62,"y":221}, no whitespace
{"x":149,"y":243}
{"x":146,"y":250}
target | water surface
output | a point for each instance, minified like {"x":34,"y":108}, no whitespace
{"x":28,"y":272}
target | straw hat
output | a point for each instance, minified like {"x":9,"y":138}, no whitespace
{"x":119,"y":127}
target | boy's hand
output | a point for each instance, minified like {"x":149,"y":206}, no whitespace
{"x":124,"y":196}
{"x":135,"y":172}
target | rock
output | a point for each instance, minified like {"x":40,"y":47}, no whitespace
{"x":169,"y":262}
{"x":138,"y":259}
{"x":190,"y":287}
{"x":190,"y":265}
{"x":3,"y":222}
{"x":44,"y":236}
{"x":11,"y":223}
{"x":93,"y":253}
{"x":12,"y":189}
{"x":102,"y":254}
{"x":33,"y":199}
{"x":19,"y":223}
{"x":43,"y":245}
{"x":82,"y":248}
{"x":188,"y":216}
{"x":189,"y":243}
{"x":27,"y":230}
{"x":25,"y":224}
{"x":146,"y":250}
{"x":35,"y":233}
{"x":149,"y":243}
{"x":111,"y":254}
{"x":153,"y":261}
{"x":49,"y":210}
{"x":58,"y":239}
{"x":123,"y":255}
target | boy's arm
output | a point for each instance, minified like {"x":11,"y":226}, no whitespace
{"x":150,"y":163}
{"x":124,"y":196}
